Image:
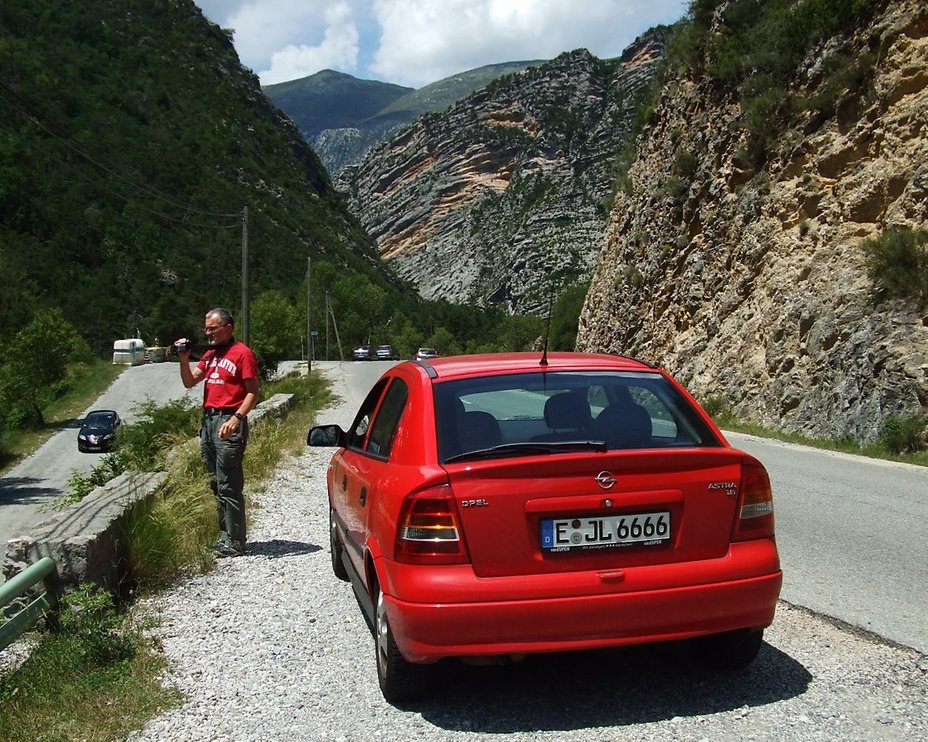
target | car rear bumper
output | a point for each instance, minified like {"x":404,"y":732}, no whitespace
{"x":608,"y":616}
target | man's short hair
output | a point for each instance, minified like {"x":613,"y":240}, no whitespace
{"x":225,"y":316}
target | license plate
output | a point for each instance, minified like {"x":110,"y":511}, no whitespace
{"x":604,"y":532}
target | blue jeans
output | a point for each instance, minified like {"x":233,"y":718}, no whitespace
{"x":223,"y":459}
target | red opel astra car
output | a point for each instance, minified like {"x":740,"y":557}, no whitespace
{"x":499,"y":505}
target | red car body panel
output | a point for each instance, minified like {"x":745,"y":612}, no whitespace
{"x":429,"y":632}
{"x":510,"y":596}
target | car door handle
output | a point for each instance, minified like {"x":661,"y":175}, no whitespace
{"x":363,"y":496}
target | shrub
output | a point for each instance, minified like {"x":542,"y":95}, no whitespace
{"x":903,"y":434}
{"x":718,"y":409}
{"x":81,"y":485}
{"x":685,"y":165}
{"x":140,"y":446}
{"x":92,"y":628}
{"x":898,"y":260}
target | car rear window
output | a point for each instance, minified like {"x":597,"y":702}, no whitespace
{"x":620,"y":410}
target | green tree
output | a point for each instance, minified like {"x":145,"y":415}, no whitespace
{"x":565,"y":317}
{"x":35,"y":361}
{"x":275,"y":331}
{"x":444,"y":342}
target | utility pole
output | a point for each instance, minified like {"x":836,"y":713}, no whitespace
{"x":309,"y":334}
{"x":341,"y":353}
{"x":244,"y":323}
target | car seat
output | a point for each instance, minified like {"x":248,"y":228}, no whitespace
{"x":624,"y":426}
{"x":568,"y":416}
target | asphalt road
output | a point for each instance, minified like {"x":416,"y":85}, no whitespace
{"x":852,"y":531}
{"x":28,"y":489}
{"x":853,"y":536}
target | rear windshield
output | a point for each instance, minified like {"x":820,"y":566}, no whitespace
{"x":565,"y":411}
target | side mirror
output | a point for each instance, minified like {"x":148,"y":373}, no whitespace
{"x":325,"y":435}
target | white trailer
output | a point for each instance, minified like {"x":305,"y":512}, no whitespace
{"x":129,"y":352}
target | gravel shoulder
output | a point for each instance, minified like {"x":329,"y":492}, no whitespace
{"x":272,"y":646}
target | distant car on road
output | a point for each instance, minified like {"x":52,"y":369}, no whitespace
{"x":98,"y":431}
{"x":387,"y":353}
{"x":424,"y":354}
{"x":364,"y":353}
{"x":508,"y":504}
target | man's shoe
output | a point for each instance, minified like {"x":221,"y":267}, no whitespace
{"x":226,"y":549}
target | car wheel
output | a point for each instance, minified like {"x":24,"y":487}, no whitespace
{"x":732,"y":650}
{"x":336,"y":549}
{"x":399,"y":680}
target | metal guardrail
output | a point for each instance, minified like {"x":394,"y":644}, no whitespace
{"x":17,"y":586}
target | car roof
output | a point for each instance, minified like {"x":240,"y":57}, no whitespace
{"x":492,"y":364}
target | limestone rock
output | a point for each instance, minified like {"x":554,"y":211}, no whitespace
{"x":752,"y":287}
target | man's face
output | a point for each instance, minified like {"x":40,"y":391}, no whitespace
{"x":217,"y":333}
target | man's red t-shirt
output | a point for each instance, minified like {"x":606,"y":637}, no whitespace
{"x":225,"y":372}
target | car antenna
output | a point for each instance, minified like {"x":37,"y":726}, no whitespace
{"x":544,"y":351}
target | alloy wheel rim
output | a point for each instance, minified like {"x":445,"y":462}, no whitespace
{"x":382,"y":633}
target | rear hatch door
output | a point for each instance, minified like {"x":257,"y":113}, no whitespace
{"x":596,"y":510}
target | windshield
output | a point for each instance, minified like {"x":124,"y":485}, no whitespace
{"x":528,"y":414}
{"x":99,"y":418}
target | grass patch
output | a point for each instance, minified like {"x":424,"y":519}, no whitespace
{"x":95,"y":679}
{"x":85,"y":382}
{"x":900,"y":439}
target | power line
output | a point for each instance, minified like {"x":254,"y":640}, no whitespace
{"x":69,"y":142}
{"x":103,"y":186}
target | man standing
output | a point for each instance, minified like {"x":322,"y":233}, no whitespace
{"x":230,"y":393}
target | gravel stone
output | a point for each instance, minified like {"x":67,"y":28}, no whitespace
{"x":271,"y":646}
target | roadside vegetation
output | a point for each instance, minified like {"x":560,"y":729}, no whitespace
{"x":98,"y":675}
{"x":898,"y":262}
{"x":902,"y":438}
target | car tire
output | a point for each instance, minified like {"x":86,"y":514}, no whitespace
{"x":400,"y":681}
{"x":732,"y":650}
{"x":336,"y":549}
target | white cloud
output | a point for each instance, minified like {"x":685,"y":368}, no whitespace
{"x":425,"y":40}
{"x":415,"y":42}
{"x":338,"y":49}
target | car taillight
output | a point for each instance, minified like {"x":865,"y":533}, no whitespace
{"x":755,"y":504}
{"x":429,"y":529}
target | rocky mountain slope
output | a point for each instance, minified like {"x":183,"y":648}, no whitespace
{"x":342,"y":117}
{"x":501,"y":198}
{"x":752,"y":286}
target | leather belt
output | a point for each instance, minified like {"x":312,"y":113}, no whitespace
{"x":211,"y":411}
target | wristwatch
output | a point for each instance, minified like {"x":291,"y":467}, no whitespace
{"x":239,"y":415}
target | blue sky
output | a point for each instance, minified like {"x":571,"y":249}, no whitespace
{"x":415,"y":42}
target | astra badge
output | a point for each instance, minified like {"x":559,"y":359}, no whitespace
{"x":605,"y":479}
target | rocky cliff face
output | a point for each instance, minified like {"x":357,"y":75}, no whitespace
{"x":752,"y":286}
{"x":500,"y":199}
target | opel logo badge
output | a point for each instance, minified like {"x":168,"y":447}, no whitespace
{"x":605,"y":479}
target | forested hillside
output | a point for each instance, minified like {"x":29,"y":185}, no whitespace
{"x":131,"y":142}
